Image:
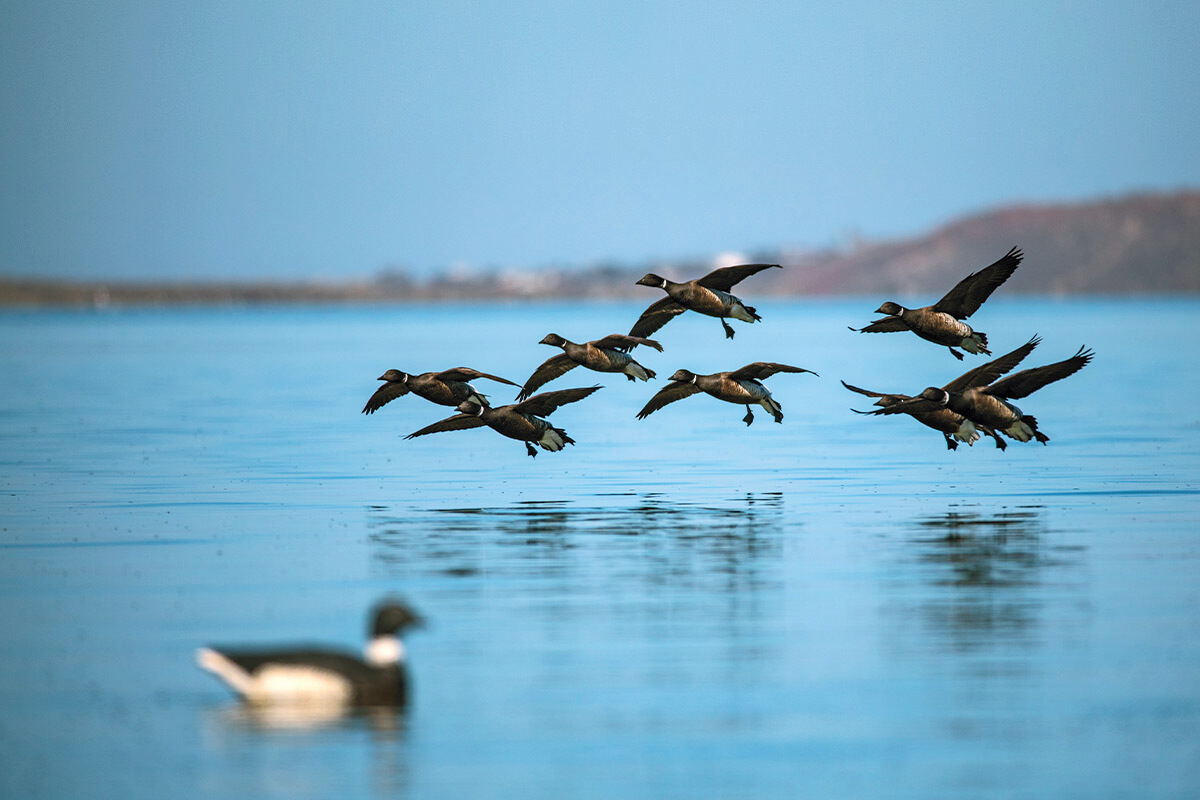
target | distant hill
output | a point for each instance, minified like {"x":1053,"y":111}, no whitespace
{"x":1139,"y":244}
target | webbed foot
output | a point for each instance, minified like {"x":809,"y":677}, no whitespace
{"x":728,"y":330}
{"x":749,"y":416}
{"x":950,"y":443}
{"x":956,"y":354}
{"x":529,"y":449}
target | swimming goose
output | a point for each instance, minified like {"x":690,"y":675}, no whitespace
{"x":609,"y":354}
{"x":742,"y":386}
{"x":313,"y":676}
{"x":943,"y":420}
{"x":521,"y":421}
{"x":708,"y":295}
{"x":984,"y":402}
{"x":941,"y":322}
{"x":448,"y":388}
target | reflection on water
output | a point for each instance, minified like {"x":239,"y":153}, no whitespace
{"x":718,"y":544}
{"x":300,"y":733}
{"x":384,"y":721}
{"x":980,"y":581}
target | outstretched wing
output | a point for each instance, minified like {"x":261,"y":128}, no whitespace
{"x":726,"y":277}
{"x":915,"y":405}
{"x":626,"y":343}
{"x":544,"y":404}
{"x":384,"y":395}
{"x":467,"y":374}
{"x":761,"y":370}
{"x":459,"y":422}
{"x":550,"y":369}
{"x":654,"y":317}
{"x":675,"y":390}
{"x":968,"y":295}
{"x":886,"y":325}
{"x":992,"y":370}
{"x":881,"y":395}
{"x":1028,"y":381}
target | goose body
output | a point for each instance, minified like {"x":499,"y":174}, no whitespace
{"x":953,"y":426}
{"x":984,"y":400}
{"x":522,"y":421}
{"x":742,"y":386}
{"x":313,"y":676}
{"x":710,"y":295}
{"x":942,"y":323}
{"x":447,"y":388}
{"x":609,"y":354}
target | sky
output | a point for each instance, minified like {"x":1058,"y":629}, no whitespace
{"x":295,"y":140}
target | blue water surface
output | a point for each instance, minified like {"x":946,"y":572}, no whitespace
{"x":836,"y":606}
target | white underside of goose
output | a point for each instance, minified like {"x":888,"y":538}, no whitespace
{"x":278,"y":683}
{"x":551,"y":440}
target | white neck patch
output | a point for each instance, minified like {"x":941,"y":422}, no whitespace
{"x":384,"y":651}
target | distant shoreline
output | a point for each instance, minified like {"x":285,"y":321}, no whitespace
{"x":1138,"y":245}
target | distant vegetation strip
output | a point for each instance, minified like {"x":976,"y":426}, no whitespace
{"x":1139,"y":244}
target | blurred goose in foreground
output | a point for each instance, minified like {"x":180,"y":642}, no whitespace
{"x":448,"y":388}
{"x":941,"y":322}
{"x":742,"y":386}
{"x":610,"y":354}
{"x":943,"y":420}
{"x":708,"y":295}
{"x":312,"y":676}
{"x":521,"y":421}
{"x":985,"y":403}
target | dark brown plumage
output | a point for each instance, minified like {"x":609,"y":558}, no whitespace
{"x":609,"y":354}
{"x":941,"y":322}
{"x":447,"y":388}
{"x":708,"y":295}
{"x":983,"y":399}
{"x":742,"y":386}
{"x":943,"y":420}
{"x":521,"y":421}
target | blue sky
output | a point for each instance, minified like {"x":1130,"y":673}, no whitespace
{"x":304,"y":139}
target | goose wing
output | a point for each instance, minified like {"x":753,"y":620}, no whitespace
{"x":914,"y":405}
{"x":384,"y":395}
{"x":725,"y":278}
{"x":968,"y":295}
{"x":992,"y":370}
{"x":1028,"y":381}
{"x":459,"y":422}
{"x":761,"y":370}
{"x":624,"y":343}
{"x":891,"y":324}
{"x":465,"y":374}
{"x":881,"y":395}
{"x":550,"y":369}
{"x":654,"y":317}
{"x":544,"y":404}
{"x":675,"y":390}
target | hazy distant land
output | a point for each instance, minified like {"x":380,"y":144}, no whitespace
{"x":1139,"y":244}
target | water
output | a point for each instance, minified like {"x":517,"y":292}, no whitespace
{"x":832,"y":607}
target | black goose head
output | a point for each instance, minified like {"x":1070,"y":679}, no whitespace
{"x":650,"y":279}
{"x":936,"y":395}
{"x":890,"y":308}
{"x":554,"y":340}
{"x":474,"y":409}
{"x":684,"y":376}
{"x":392,"y":617}
{"x":393,"y":375}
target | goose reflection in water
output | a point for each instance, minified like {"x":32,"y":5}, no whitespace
{"x":982,"y":581}
{"x":662,"y":541}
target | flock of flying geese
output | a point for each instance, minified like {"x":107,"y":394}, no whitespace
{"x":978,"y":401}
